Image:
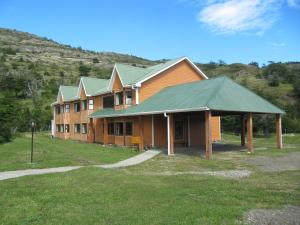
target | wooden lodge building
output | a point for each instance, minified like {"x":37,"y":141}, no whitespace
{"x":163,"y":106}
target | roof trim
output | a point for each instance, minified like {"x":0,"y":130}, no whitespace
{"x":153,"y":112}
{"x":78,"y":92}
{"x":168,"y":67}
{"x":113,"y":77}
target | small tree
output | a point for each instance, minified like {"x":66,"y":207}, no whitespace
{"x":95,"y":60}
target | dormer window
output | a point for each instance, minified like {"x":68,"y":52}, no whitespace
{"x":128,"y":97}
{"x":119,"y":98}
{"x":67,"y":108}
{"x":62,"y":109}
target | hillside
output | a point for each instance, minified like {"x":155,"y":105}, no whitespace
{"x":32,"y":68}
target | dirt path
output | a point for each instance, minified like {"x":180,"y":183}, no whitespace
{"x":277,"y":164}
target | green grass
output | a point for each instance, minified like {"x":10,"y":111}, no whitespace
{"x":55,"y":152}
{"x":131,"y":196}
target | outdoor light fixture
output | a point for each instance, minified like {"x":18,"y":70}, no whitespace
{"x":32,"y":131}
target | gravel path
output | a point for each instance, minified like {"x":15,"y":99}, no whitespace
{"x":289,"y":215}
{"x":232,"y":174}
{"x":277,"y":164}
{"x":132,"y":161}
{"x":128,"y":162}
{"x":21,"y":173}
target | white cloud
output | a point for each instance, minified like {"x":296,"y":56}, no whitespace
{"x":293,"y":3}
{"x":278,"y":44}
{"x":231,"y":16}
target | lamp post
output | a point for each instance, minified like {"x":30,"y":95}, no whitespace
{"x":32,"y":131}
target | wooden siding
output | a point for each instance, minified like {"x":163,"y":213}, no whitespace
{"x":179,"y":74}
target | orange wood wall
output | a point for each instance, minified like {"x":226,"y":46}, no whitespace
{"x":179,"y":74}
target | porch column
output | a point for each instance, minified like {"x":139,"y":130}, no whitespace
{"x":278,"y":131}
{"x":242,"y":130}
{"x":208,"y":135}
{"x":141,"y":127}
{"x":170,"y":135}
{"x":105,"y":131}
{"x":249,"y":133}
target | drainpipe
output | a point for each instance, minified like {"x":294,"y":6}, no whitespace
{"x":168,"y":132}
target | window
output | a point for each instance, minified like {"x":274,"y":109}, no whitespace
{"x":91,"y":103}
{"x":62,"y":128}
{"x":83,"y":105}
{"x":108,"y":101}
{"x":62,"y":109}
{"x":84,"y":128}
{"x":119,"y":129}
{"x":67,"y":128}
{"x":77,"y":107}
{"x":67,"y":108}
{"x":57,"y":127}
{"x":57,"y":109}
{"x":128,"y":99}
{"x":111,"y":129}
{"x":179,"y":130}
{"x":128,"y":128}
{"x":119,"y":98}
{"x":77,"y":128}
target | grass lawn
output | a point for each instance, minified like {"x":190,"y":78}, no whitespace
{"x":131,"y":196}
{"x":55,"y":152}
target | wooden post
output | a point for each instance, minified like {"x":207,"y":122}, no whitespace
{"x":170,"y":135}
{"x":249,"y":133}
{"x":91,"y":132}
{"x":242,"y":130}
{"x":141,"y":127}
{"x":105,"y":131}
{"x":278,"y":131}
{"x":208,"y":135}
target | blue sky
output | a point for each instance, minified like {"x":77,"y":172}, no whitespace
{"x":231,"y":30}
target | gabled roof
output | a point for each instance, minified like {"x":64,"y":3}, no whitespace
{"x":68,"y":93}
{"x":93,"y":86}
{"x":220,"y":94}
{"x":132,"y":75}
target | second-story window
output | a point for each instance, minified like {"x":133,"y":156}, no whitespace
{"x":91,"y":103}
{"x":128,"y":97}
{"x":83,"y":105}
{"x":108,"y":101}
{"x":119,"y":98}
{"x":62,"y":109}
{"x":67,"y":108}
{"x":58,"y":109}
{"x":77,"y":107}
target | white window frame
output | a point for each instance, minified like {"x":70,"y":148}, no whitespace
{"x":128,"y":101}
{"x":67,"y":108}
{"x":91,"y":104}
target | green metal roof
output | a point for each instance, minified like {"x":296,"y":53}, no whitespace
{"x":220,"y":94}
{"x":94,"y":86}
{"x":131,"y":74}
{"x":68,"y":92}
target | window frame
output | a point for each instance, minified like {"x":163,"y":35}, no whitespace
{"x":112,"y":101}
{"x":77,"y":131}
{"x":119,"y":98}
{"x":67,"y":128}
{"x":84,"y":128}
{"x":126,"y":97}
{"x":77,"y":107}
{"x":67,"y":109}
{"x":84,"y":105}
{"x":126,"y":125}
{"x":91,"y":106}
{"x":119,"y":130}
{"x":110,"y":128}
